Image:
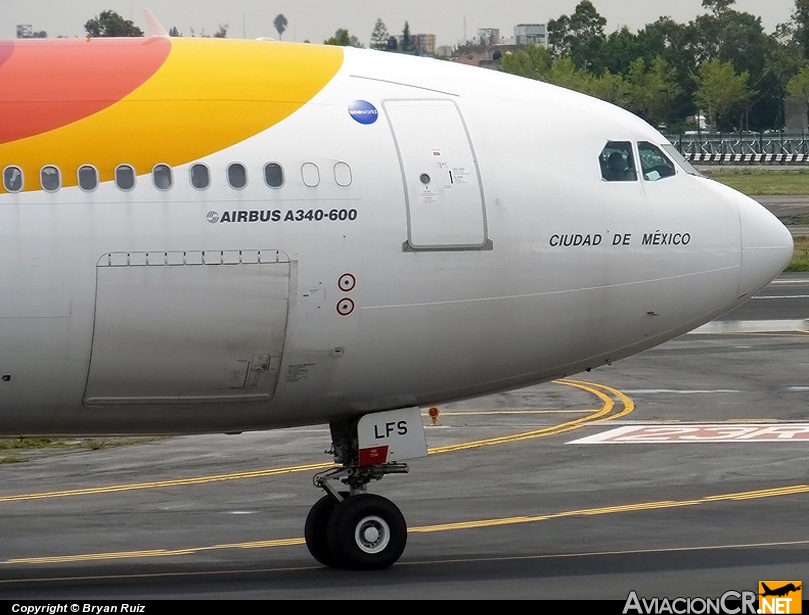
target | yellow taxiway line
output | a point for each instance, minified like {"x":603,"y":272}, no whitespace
{"x":424,"y":529}
{"x":601,"y":391}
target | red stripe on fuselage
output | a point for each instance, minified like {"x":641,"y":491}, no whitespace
{"x":47,"y":84}
{"x":6,"y":49}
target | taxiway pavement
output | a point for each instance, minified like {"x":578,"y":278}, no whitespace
{"x":533,"y":515}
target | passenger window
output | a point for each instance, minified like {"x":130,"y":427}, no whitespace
{"x":124,"y":177}
{"x":237,"y":176}
{"x":617,"y":164}
{"x":274,"y":175}
{"x":653,"y":163}
{"x":200,"y":176}
{"x":50,"y":178}
{"x":342,"y":174}
{"x":12,"y":179}
{"x":310,"y":174}
{"x":88,"y":178}
{"x":162,"y":177}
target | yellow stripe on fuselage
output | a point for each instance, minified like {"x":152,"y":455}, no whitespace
{"x":208,"y":95}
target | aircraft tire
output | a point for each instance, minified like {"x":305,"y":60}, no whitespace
{"x":316,"y":529}
{"x":367,"y":532}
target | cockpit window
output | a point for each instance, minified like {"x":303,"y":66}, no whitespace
{"x":675,"y":155}
{"x":617,"y":163}
{"x":653,"y":162}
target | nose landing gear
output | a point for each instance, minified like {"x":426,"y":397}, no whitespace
{"x":354,"y":529}
{"x":367,"y":532}
{"x":363,"y":531}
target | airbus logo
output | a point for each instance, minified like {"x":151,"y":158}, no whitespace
{"x":278,"y":215}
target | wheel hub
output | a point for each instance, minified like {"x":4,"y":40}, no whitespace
{"x":372,"y":534}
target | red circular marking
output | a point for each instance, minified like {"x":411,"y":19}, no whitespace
{"x":345,"y":306}
{"x":433,"y":412}
{"x":46,"y":84}
{"x":347,"y":282}
{"x":6,"y":49}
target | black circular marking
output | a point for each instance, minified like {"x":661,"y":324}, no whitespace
{"x":347,"y":282}
{"x":345,"y":306}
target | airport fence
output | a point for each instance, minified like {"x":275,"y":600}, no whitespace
{"x":768,"y":147}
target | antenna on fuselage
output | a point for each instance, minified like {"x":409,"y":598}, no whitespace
{"x":153,"y":27}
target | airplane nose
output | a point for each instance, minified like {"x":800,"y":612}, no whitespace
{"x":766,"y":246}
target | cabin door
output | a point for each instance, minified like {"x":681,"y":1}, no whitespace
{"x":443,"y":191}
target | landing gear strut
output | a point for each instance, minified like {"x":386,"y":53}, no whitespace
{"x":354,"y":529}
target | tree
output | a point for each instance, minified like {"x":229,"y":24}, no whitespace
{"x":380,"y":35}
{"x":621,"y":48}
{"x":799,"y":26}
{"x":650,"y":87}
{"x":730,"y":36}
{"x":580,"y":37}
{"x":174,"y":32}
{"x":720,"y":88}
{"x":785,"y":59}
{"x":341,"y":38}
{"x":533,"y":62}
{"x":717,"y":6}
{"x":564,"y":73}
{"x":280,"y":23}
{"x":407,"y":40}
{"x":658,"y":71}
{"x":799,"y":85}
{"x":537,"y":62}
{"x":739,"y":38}
{"x":110,"y":23}
{"x":222,"y":32}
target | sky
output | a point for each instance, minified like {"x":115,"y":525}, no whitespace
{"x":316,"y":20}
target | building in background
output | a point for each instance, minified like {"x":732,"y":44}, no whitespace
{"x":488,"y":47}
{"x":25,"y":30}
{"x":420,"y":44}
{"x":424,"y":44}
{"x":488,"y":36}
{"x":445,"y":51}
{"x":531,"y":33}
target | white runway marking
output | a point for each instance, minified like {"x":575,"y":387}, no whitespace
{"x":696,"y":433}
{"x":678,"y":391}
{"x":753,"y":326}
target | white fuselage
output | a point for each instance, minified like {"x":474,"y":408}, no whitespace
{"x":229,"y":309}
